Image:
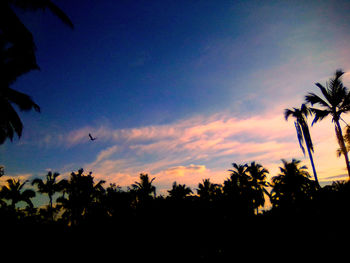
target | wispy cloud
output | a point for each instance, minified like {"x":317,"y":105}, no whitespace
{"x":181,"y":170}
{"x":213,"y":129}
{"x":190,"y":149}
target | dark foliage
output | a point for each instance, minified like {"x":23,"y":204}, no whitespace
{"x":17,"y":57}
{"x":220,"y":222}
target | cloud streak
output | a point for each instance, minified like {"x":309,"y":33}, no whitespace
{"x":187,"y":150}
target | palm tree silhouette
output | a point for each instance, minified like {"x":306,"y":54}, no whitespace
{"x":17,"y":57}
{"x":258,"y":182}
{"x":208,"y":191}
{"x":144,"y":188}
{"x":336,"y":101}
{"x":303,"y":132}
{"x":292,"y":185}
{"x":238,"y":189}
{"x":240,"y":177}
{"x":10,"y":123}
{"x":21,"y":48}
{"x":50,"y":187}
{"x":179,"y":191}
{"x":14,"y":192}
{"x":83,"y":195}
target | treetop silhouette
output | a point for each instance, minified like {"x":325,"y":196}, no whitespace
{"x":303,"y":132}
{"x":336,"y":101}
{"x":17,"y":57}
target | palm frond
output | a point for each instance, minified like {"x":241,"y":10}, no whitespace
{"x":60,"y":14}
{"x":6,"y":130}
{"x":339,"y":73}
{"x":23,"y":101}
{"x":325,"y":92}
{"x":312,"y":98}
{"x":340,"y":93}
{"x":39,"y":182}
{"x":336,"y":81}
{"x":300,"y":136}
{"x":347,"y":135}
{"x":19,"y":57}
{"x":339,"y":152}
{"x":10,"y":120}
{"x":44,"y":4}
{"x":340,"y":141}
{"x":288,"y":113}
{"x":345,"y":105}
{"x":21,"y":185}
{"x":319,"y":114}
{"x":17,"y":60}
{"x":337,"y":90}
{"x":99,"y":186}
{"x":307,"y":137}
{"x":305,"y":110}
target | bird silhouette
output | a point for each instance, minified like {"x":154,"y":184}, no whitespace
{"x":92,"y":138}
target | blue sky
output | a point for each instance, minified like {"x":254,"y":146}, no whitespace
{"x":177,"y":89}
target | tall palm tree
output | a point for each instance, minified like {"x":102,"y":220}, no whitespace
{"x":258,"y":182}
{"x":50,"y":187}
{"x":17,"y":57}
{"x":303,"y":132}
{"x":335,"y":102}
{"x":83,"y":196}
{"x":14,"y":192}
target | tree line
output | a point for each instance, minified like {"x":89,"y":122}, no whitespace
{"x":79,"y":208}
{"x":80,"y":199}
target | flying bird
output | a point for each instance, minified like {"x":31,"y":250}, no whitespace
{"x":92,"y":138}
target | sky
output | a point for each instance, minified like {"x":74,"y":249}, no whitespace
{"x":177,"y":89}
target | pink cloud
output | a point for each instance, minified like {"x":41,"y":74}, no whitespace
{"x":202,"y":139}
{"x":182,"y":170}
{"x":190,"y":175}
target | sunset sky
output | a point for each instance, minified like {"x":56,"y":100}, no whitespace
{"x":177,"y":89}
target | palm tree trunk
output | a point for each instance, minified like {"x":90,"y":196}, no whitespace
{"x":307,"y":139}
{"x":312,"y":164}
{"x":50,"y":201}
{"x":51,"y":207}
{"x":342,"y":146}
